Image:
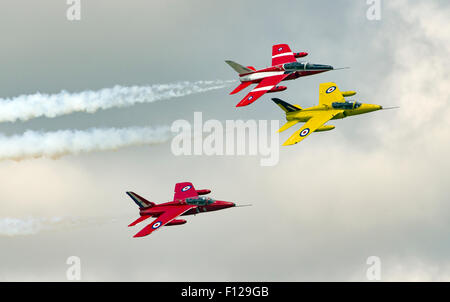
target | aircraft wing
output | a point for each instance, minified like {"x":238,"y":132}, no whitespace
{"x":282,"y":54}
{"x":310,"y":126}
{"x":184,"y":190}
{"x":329,"y":93}
{"x":164,"y":219}
{"x":265,"y":85}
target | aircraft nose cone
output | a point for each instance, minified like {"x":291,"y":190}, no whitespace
{"x":230,"y":204}
{"x":370,"y":107}
{"x":224,"y":204}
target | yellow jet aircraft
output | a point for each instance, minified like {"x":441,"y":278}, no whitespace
{"x":332,"y":106}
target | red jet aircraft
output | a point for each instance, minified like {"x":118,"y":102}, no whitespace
{"x":186,"y":201}
{"x":284,"y":67}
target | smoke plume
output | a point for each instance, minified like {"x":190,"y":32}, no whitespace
{"x":33,"y":144}
{"x":12,"y":227}
{"x":26,"y":107}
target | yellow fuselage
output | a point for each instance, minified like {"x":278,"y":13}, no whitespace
{"x":305,"y":114}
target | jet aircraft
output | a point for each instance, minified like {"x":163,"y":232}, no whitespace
{"x":186,"y":201}
{"x":332,"y":105}
{"x":284,"y":67}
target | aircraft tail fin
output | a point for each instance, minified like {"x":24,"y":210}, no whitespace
{"x":239,"y":68}
{"x":140,"y":201}
{"x":286,"y":106}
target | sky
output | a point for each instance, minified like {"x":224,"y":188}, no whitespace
{"x":377,"y":185}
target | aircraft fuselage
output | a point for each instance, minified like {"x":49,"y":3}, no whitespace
{"x":161,"y":208}
{"x":305,"y":114}
{"x":295,"y":70}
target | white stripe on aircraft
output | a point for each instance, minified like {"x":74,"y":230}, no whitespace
{"x":283,"y":54}
{"x":260,"y":75}
{"x":263,"y":88}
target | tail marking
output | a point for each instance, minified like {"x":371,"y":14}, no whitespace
{"x":140,"y":201}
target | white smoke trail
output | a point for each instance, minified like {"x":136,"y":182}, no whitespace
{"x":29,"y":226}
{"x":33,"y":144}
{"x":26,"y":107}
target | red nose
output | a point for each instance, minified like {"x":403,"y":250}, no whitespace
{"x":224,"y":204}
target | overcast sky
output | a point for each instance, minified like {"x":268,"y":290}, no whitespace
{"x":377,"y":185}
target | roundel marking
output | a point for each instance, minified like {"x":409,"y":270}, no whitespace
{"x":156,"y":225}
{"x":331,"y":89}
{"x":186,"y":188}
{"x":304,"y":132}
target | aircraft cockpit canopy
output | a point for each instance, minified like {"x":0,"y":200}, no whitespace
{"x":299,"y":66}
{"x":346,"y":105}
{"x":294,"y":66}
{"x":199,"y":201}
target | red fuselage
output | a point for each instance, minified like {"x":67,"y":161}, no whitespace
{"x":295,"y":70}
{"x":159,"y":209}
{"x":187,"y":201}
